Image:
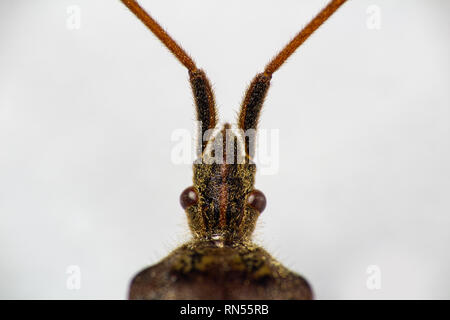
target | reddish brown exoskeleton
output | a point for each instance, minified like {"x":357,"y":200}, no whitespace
{"x":222,"y":206}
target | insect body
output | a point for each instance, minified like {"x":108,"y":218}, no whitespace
{"x":222,"y":206}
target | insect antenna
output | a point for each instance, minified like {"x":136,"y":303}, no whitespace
{"x":257,"y":90}
{"x":200,"y":84}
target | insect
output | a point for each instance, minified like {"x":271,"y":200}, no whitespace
{"x":222,"y":206}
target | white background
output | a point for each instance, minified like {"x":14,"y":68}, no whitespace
{"x":86,"y":117}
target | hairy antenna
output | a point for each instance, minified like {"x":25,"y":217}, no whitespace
{"x":162,"y":35}
{"x":301,"y":37}
{"x":200,"y":84}
{"x":257,"y":91}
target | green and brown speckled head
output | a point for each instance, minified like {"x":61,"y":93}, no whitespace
{"x":225,"y":206}
{"x":222,"y":204}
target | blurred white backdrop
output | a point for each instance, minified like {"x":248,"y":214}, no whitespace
{"x":86,"y":116}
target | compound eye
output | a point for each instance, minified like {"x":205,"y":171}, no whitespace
{"x":188,"y":197}
{"x":256,"y":199}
